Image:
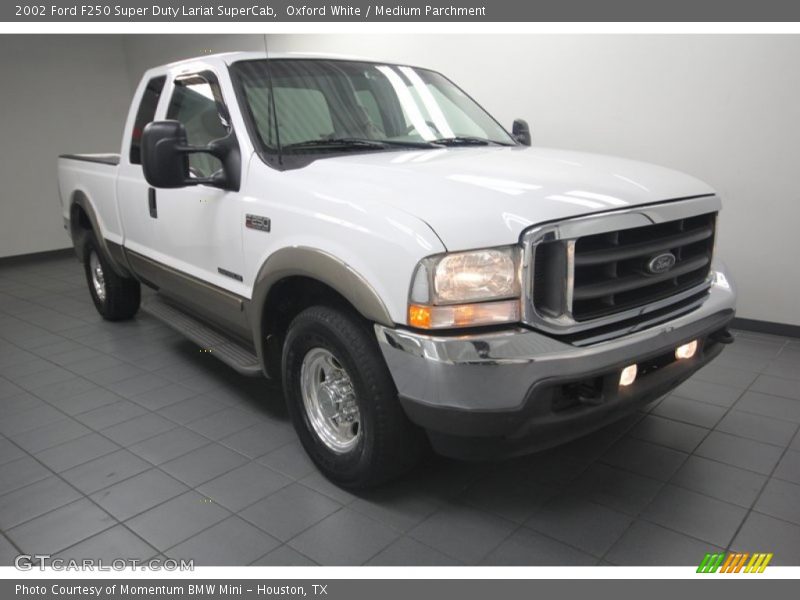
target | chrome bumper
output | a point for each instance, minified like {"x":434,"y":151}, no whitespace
{"x":495,"y":372}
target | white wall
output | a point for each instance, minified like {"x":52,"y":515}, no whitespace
{"x":60,"y":94}
{"x":723,"y":108}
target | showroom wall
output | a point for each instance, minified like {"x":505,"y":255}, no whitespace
{"x":60,"y":94}
{"x":723,"y":108}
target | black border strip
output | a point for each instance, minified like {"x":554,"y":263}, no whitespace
{"x":768,"y":327}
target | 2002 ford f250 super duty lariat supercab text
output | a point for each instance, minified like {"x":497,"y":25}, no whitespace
{"x":411,"y":272}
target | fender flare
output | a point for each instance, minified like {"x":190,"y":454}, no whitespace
{"x":304,"y":261}
{"x":115,"y":259}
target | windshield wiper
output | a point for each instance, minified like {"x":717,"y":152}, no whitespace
{"x":357,"y":143}
{"x":338,"y":143}
{"x":465,"y":140}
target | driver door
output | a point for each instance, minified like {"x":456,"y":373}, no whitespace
{"x":200,"y":226}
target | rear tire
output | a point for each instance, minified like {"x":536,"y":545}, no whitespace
{"x":343,"y":402}
{"x":116,"y":298}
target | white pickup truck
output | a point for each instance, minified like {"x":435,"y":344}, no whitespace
{"x":413,"y":273}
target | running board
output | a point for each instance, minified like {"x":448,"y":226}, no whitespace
{"x":230,"y":351}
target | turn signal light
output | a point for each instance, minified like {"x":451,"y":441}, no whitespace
{"x":686,"y":351}
{"x":628,"y":375}
{"x":463,"y":315}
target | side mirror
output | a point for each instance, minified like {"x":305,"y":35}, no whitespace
{"x":165,"y":157}
{"x":521,"y":132}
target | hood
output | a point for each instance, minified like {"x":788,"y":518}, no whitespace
{"x":486,"y":196}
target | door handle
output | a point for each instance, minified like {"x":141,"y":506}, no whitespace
{"x":151,"y":202}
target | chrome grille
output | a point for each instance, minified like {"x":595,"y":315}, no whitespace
{"x":595,"y":271}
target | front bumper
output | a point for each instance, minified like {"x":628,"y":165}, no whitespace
{"x":512,"y":392}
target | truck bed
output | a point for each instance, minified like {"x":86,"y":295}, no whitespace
{"x":106,"y":158}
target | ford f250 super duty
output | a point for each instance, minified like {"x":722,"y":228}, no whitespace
{"x":414,"y":274}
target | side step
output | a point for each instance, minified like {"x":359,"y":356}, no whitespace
{"x":228,"y":350}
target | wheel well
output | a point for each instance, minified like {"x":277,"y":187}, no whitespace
{"x":286,"y":299}
{"x":79,"y":225}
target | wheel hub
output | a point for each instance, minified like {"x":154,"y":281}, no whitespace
{"x":330,"y":400}
{"x":98,"y":279}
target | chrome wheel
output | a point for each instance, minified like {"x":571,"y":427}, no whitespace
{"x":98,"y":281}
{"x":330,"y":400}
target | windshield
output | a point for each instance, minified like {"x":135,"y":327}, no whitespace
{"x":332,"y":105}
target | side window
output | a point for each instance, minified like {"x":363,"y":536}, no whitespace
{"x":145,"y":114}
{"x":196,"y":103}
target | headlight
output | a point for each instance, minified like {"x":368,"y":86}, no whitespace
{"x":463,"y":289}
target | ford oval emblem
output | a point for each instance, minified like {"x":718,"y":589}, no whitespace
{"x":661,"y":263}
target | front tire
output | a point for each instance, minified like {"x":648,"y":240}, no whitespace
{"x":116,"y":298}
{"x":343,"y":401}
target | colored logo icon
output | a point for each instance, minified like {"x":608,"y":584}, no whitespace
{"x":735,"y":562}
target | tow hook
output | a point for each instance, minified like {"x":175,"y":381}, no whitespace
{"x":723,"y":336}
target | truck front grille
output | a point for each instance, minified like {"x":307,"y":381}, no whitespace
{"x":611,"y":269}
{"x":620,"y":275}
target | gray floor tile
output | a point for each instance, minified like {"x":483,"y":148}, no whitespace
{"x":409,"y":552}
{"x":110,"y":414}
{"x":21,"y":472}
{"x":20,"y":403}
{"x":689,"y":411}
{"x":785,"y":370}
{"x":138,"y":494}
{"x":712,"y":393}
{"x":776,"y":407}
{"x":758,"y":427}
{"x":243,"y":486}
{"x":191,"y":409}
{"x":137,"y":429}
{"x":644,"y":458}
{"x":169,"y":445}
{"x":720,"y":481}
{"x":203,"y":464}
{"x":695,"y":515}
{"x":87,"y":401}
{"x":139,"y":384}
{"x":9,"y":451}
{"x":34,"y":500}
{"x":229,"y":542}
{"x":740,"y":452}
{"x":290,"y":511}
{"x":344,"y":538}
{"x":316,"y":481}
{"x":762,"y":533}
{"x":258,"y":440}
{"x":114,"y":374}
{"x":116,"y":543}
{"x":70,"y":454}
{"x":776,"y":386}
{"x":284,"y":556}
{"x":528,"y":548}
{"x":68,"y":388}
{"x":507,"y":493}
{"x":40,"y":379}
{"x":163,"y":396}
{"x":669,"y":433}
{"x":647,"y":544}
{"x":462,"y":532}
{"x":176,"y":520}
{"x":223,"y":423}
{"x":27,"y":420}
{"x":105,"y":471}
{"x":735,"y":378}
{"x":399,"y":505}
{"x":61,"y":528}
{"x":615,"y":488}
{"x":780,"y":499}
{"x":581,"y":523}
{"x":7,"y":552}
{"x":789,"y":467}
{"x":56,"y":433}
{"x":290,"y":459}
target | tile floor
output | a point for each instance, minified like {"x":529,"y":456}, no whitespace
{"x":123,"y":440}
